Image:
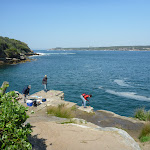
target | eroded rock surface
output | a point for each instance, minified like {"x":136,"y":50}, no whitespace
{"x":79,"y":135}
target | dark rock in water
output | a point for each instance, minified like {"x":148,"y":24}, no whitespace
{"x":23,"y":57}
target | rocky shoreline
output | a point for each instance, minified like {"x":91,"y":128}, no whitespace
{"x":14,"y":51}
{"x":101,"y":121}
{"x":22,"y":59}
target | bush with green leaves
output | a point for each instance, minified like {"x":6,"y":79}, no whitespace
{"x":12,"y":48}
{"x":12,"y":53}
{"x":142,"y":114}
{"x":145,"y":133}
{"x":13,"y":132}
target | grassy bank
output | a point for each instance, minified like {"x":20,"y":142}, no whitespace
{"x":145,"y":133}
{"x":62,"y":111}
{"x":142,"y":114}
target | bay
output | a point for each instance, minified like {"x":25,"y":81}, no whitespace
{"x":118,"y":80}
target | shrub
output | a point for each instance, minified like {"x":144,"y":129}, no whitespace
{"x":13,"y":133}
{"x":60,"y":111}
{"x":145,"y":133}
{"x":12,"y":52}
{"x":142,"y":114}
{"x":74,"y":108}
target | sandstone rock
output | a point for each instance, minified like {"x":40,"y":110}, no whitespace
{"x":81,"y":131}
{"x":121,"y":117}
{"x":88,"y":109}
{"x":127,"y":138}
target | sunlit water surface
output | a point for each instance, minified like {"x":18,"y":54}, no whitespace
{"x":118,"y":80}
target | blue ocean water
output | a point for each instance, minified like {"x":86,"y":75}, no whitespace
{"x":118,"y":80}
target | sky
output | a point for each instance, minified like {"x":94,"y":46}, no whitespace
{"x":45,"y":24}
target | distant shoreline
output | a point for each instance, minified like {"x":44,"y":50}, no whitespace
{"x":95,"y":50}
{"x":112,"y":48}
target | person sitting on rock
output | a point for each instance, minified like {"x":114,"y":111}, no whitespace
{"x":84,"y":99}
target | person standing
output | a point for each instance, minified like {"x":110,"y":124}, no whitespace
{"x":84,"y":98}
{"x":44,"y":82}
{"x":25,"y":92}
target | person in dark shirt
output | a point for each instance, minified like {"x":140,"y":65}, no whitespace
{"x":44,"y":82}
{"x":25,"y":92}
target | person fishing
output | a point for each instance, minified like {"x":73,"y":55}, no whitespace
{"x":44,"y":82}
{"x":25,"y":92}
{"x":84,"y":98}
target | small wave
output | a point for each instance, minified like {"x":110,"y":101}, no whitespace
{"x":42,"y":54}
{"x":100,"y":87}
{"x":62,"y":53}
{"x":130,"y":95}
{"x":47,"y":54}
{"x":121,"y":82}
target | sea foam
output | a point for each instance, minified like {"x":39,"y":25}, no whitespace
{"x":130,"y":95}
{"x":121,"y":82}
{"x":47,"y":54}
{"x":100,"y":87}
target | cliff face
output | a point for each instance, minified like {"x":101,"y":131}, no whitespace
{"x":12,"y":50}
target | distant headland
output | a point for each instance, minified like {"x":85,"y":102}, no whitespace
{"x":13,"y":51}
{"x":114,"y":48}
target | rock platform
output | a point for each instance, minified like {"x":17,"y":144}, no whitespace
{"x":79,"y":135}
{"x":53,"y":98}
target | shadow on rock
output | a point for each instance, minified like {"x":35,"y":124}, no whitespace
{"x":37,"y":144}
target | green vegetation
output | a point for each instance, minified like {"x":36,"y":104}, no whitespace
{"x":145,"y":133}
{"x":74,"y":108}
{"x":61,"y":111}
{"x":12,"y":48}
{"x":3,"y":88}
{"x":70,"y":121}
{"x":13,"y":132}
{"x":142,"y":114}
